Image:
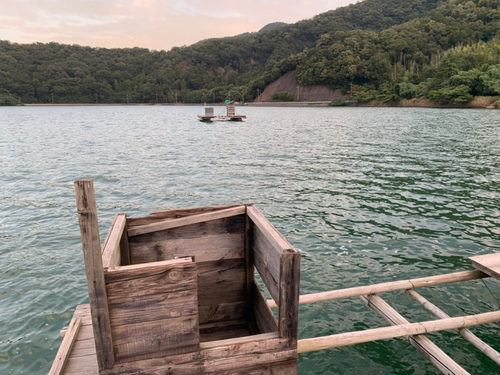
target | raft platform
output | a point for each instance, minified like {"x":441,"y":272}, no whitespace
{"x":231,"y":115}
{"x":176,"y":292}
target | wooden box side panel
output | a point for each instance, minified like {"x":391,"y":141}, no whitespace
{"x":267,"y":261}
{"x":264,"y":317}
{"x":207,"y":241}
{"x":153,"y":310}
{"x":218,"y":247}
{"x":271,"y":356}
{"x":222,"y":296}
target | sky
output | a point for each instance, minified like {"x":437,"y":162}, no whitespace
{"x":153,"y":24}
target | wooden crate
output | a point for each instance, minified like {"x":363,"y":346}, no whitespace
{"x":175,"y":292}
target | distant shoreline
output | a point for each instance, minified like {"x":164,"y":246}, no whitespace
{"x":412,"y":103}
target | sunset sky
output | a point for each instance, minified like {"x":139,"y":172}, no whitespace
{"x":154,"y":24}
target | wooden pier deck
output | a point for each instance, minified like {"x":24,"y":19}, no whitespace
{"x":175,"y":293}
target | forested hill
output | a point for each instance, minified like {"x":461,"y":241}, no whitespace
{"x":55,"y":73}
{"x":450,"y":56}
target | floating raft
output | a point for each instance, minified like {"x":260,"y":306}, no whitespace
{"x":231,"y":115}
{"x":175,"y":293}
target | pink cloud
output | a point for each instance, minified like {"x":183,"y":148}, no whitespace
{"x":154,"y":24}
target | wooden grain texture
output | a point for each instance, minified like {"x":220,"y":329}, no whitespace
{"x":111,"y":253}
{"x":250,"y":268}
{"x":221,"y":282}
{"x":216,"y":360}
{"x":489,"y":264}
{"x":66,"y":347}
{"x":159,"y":216}
{"x":388,"y":287}
{"x":153,"y":309}
{"x":466,"y":333}
{"x":240,"y":340}
{"x":358,"y":337}
{"x":203,"y":249}
{"x":230,"y":329}
{"x":227,"y":225}
{"x":82,"y":358}
{"x":89,"y":229}
{"x":183,"y":221}
{"x":221,"y":312}
{"x":269,"y":231}
{"x":420,"y":342}
{"x":124,"y":248}
{"x":182,"y":212}
{"x":264,"y":317}
{"x":267,"y":260}
{"x":288,"y":321}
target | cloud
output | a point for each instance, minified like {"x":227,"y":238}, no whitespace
{"x":154,"y":24}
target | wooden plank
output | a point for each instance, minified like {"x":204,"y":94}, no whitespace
{"x":222,"y":312}
{"x":155,"y":339}
{"x":264,"y":317}
{"x":234,"y":329}
{"x":203,"y":249}
{"x":358,"y":337}
{"x":240,"y":340}
{"x":227,"y":225}
{"x":466,"y":333}
{"x":489,"y":264}
{"x":111,"y":254}
{"x":270,"y":232}
{"x":183,"y":221}
{"x":183,"y":212}
{"x":214,"y":360}
{"x":169,"y":305}
{"x":288,"y":321}
{"x":281,"y":368}
{"x":422,"y":343}
{"x":159,"y":216}
{"x":66,"y":346}
{"x":137,"y":281}
{"x":153,"y":309}
{"x":250,"y":269}
{"x":267,"y":260}
{"x":221,"y":282}
{"x":89,"y":228}
{"x":124,"y":247}
{"x":388,"y":287}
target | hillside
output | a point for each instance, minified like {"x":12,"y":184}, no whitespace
{"x":447,"y":57}
{"x":46,"y":73}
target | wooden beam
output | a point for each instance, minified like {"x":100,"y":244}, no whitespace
{"x":181,"y":212}
{"x":274,"y":237}
{"x":466,"y":333}
{"x":183,"y":221}
{"x":65,"y":349}
{"x":111,"y":254}
{"x":89,"y":228}
{"x":288,"y":321}
{"x":384,"y":333}
{"x":422,"y":343}
{"x":250,"y":270}
{"x":388,"y":287}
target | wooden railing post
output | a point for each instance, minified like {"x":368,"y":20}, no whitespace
{"x":288,"y":321}
{"x":87,"y":216}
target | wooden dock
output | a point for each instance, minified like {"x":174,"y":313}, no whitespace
{"x":231,"y":115}
{"x":175,"y":293}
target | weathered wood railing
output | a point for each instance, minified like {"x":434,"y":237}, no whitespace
{"x":412,"y":332}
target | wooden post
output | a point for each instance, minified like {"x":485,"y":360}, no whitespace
{"x":422,"y":343}
{"x":250,"y":270}
{"x":288,"y":322}
{"x":124,"y":247}
{"x":87,"y":216}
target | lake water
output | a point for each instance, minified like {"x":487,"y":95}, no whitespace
{"x":368,"y":195}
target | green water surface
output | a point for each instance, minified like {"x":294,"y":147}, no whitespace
{"x":368,"y":195}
